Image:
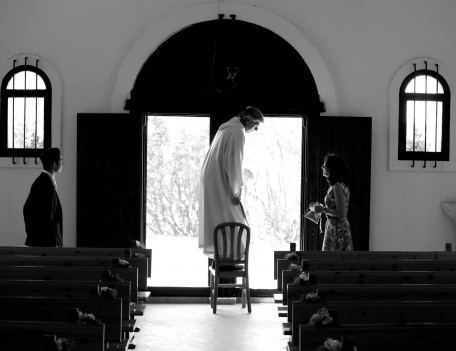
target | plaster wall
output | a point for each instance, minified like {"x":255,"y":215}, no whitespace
{"x":353,"y":48}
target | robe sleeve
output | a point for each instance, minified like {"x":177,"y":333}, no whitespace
{"x":234,"y":155}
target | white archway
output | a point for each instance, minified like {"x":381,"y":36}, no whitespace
{"x":166,"y":27}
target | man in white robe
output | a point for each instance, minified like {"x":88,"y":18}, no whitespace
{"x":221,"y":176}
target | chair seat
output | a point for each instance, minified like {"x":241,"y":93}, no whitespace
{"x":236,"y":267}
{"x":228,"y":266}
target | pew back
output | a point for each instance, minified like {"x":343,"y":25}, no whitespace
{"x":77,"y":289}
{"x":366,"y":255}
{"x":72,"y":261}
{"x":65,"y":251}
{"x":382,"y":337}
{"x":379,"y":292}
{"x":376,"y":312}
{"x":385,"y":265}
{"x":28,"y":335}
{"x":108,"y":311}
{"x":69,"y":273}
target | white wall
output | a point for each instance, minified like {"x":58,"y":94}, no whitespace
{"x":360,"y":43}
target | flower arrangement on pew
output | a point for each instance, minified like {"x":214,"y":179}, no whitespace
{"x":294,"y":267}
{"x":107,"y":292}
{"x":346,"y":344}
{"x":87,"y":318}
{"x":52,"y":343}
{"x":291,"y":256}
{"x":302,"y":279}
{"x":107,"y":276}
{"x":64,"y":344}
{"x":121,"y":263}
{"x":330,"y":345}
{"x":322,"y":317}
{"x":138,"y":254}
{"x":74,"y":315}
{"x":311,"y":296}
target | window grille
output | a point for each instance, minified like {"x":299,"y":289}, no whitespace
{"x":25,"y":123}
{"x":424,"y":116}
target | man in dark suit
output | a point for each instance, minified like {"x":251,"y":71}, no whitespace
{"x":42,"y":210}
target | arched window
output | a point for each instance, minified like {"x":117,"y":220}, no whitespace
{"x":424,"y":116}
{"x":26,"y":111}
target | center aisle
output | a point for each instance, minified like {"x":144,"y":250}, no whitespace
{"x":166,"y":327}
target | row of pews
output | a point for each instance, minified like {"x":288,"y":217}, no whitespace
{"x":376,"y":300}
{"x":78,"y":299}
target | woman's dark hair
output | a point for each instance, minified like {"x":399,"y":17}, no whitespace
{"x":338,"y":171}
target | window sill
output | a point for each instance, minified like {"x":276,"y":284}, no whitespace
{"x":442,"y":166}
{"x":7,"y":162}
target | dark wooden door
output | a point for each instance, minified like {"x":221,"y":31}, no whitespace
{"x":349,"y":137}
{"x":109,"y":179}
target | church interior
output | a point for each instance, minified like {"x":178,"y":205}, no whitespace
{"x":371,"y":80}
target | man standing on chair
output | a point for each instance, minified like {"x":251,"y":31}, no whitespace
{"x":221,"y":176}
{"x":42,"y":210}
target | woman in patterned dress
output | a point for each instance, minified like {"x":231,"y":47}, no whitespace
{"x":337,"y":236}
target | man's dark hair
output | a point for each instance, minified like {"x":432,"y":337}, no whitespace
{"x":253,"y":112}
{"x":49,"y":156}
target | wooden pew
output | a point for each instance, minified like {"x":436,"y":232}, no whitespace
{"x":108,"y":311}
{"x":382,"y":337}
{"x":66,"y":251}
{"x":280,"y":255}
{"x":375,"y":312}
{"x":375,"y":277}
{"x":370,"y":277}
{"x":359,"y":265}
{"x":28,"y":335}
{"x":80,"y":267}
{"x":77,"y":262}
{"x":382,"y":277}
{"x":438,"y":284}
{"x":147,"y":253}
{"x":69,"y":273}
{"x":366,"y":255}
{"x":288,"y":278}
{"x":380,"y":292}
{"x":378,"y":255}
{"x":281,"y":265}
{"x":125,"y":253}
{"x":69,"y":289}
{"x":72,"y":261}
{"x":385,"y":265}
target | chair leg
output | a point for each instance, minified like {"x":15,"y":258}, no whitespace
{"x":243,"y":292}
{"x":215,"y":294}
{"x":211,"y":289}
{"x":247,"y":288}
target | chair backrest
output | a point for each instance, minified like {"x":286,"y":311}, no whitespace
{"x":232,"y":242}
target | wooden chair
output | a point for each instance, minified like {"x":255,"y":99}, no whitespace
{"x":231,"y":260}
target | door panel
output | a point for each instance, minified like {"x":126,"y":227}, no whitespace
{"x":109,"y":181}
{"x":350,"y":137}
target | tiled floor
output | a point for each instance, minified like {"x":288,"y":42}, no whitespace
{"x":169,"y":327}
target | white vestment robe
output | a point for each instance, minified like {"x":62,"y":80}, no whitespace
{"x":221,"y":179}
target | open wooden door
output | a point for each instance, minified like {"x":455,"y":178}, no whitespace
{"x":350,"y":137}
{"x":110,"y":164}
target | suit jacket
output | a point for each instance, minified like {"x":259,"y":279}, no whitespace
{"x":43,"y":214}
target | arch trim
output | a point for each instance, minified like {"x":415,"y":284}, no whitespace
{"x":162,"y":29}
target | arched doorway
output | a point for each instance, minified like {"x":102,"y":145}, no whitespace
{"x":216,"y":68}
{"x":219,"y":66}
